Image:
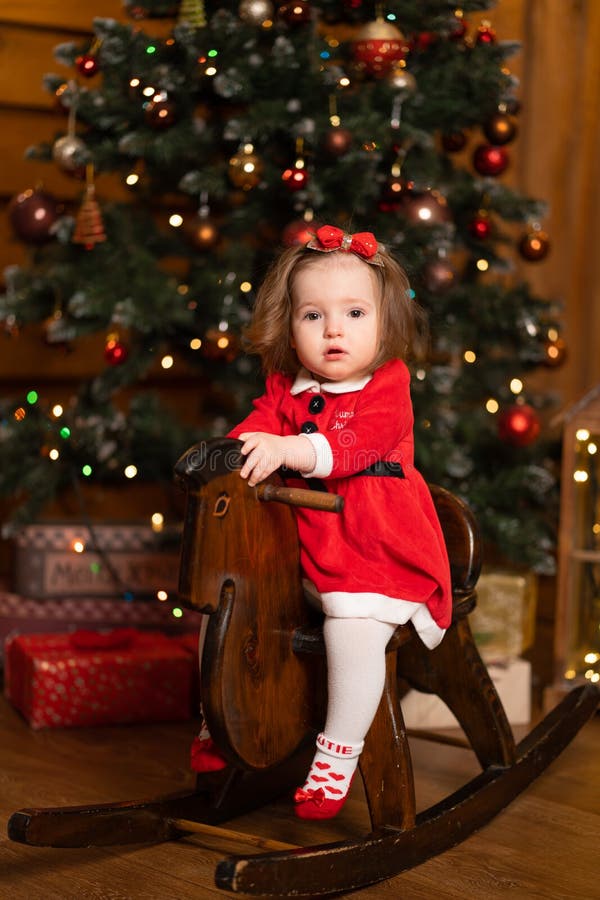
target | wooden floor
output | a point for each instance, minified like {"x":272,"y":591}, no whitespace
{"x":545,"y":845}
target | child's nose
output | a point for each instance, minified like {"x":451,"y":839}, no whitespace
{"x":333,"y":327}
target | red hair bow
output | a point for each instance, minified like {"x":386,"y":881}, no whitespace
{"x":317,"y":797}
{"x":329,"y":238}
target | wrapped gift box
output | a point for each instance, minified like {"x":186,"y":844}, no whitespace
{"x":73,"y":560}
{"x":512,"y":681}
{"x":95,"y":678}
{"x":29,"y":615}
{"x":503,"y":622}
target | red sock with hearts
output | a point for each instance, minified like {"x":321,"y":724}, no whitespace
{"x":329,"y":780}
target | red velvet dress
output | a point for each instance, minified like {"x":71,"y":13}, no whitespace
{"x":386,"y":547}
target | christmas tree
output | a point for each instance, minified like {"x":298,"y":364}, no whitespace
{"x":240,"y":131}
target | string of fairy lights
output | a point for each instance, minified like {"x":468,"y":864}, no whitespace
{"x":583,"y":655}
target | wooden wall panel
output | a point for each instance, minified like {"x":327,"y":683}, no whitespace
{"x":70,"y":16}
{"x":26,"y":55}
{"x":558,"y":160}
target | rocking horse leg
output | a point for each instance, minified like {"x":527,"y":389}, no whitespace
{"x":385,"y":763}
{"x":456,"y":673}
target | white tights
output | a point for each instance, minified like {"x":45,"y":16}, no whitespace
{"x":355,"y":675}
{"x":355,"y":682}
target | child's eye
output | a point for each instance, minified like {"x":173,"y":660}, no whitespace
{"x":311,"y":316}
{"x":356,"y":313}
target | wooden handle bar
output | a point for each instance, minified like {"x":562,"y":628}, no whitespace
{"x":301,"y":497}
{"x":191,"y":827}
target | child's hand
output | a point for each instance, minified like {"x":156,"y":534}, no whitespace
{"x":267,"y":452}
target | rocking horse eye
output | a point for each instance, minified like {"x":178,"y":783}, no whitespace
{"x":221,"y":505}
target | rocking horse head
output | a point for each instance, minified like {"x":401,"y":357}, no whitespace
{"x":230,"y":536}
{"x":240,"y":564}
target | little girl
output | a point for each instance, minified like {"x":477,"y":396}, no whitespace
{"x":333,"y":323}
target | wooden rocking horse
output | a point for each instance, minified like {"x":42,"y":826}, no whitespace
{"x":263,"y":644}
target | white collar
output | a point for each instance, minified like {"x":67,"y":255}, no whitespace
{"x":305,"y":382}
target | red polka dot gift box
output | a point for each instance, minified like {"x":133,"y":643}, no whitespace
{"x":90,"y":678}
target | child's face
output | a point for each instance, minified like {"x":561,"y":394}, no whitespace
{"x":335,"y":317}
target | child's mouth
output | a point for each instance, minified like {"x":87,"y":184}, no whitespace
{"x":333,"y":352}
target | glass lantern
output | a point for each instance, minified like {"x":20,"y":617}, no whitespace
{"x":577,"y":641}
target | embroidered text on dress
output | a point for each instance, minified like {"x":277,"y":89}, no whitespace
{"x":341,"y":418}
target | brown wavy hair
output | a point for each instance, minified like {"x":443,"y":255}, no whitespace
{"x":402,"y":322}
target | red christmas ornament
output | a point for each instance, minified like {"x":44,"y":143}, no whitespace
{"x":115,"y":351}
{"x":87,"y":65}
{"x":480,"y":226}
{"x":377,"y":47}
{"x":295,"y":178}
{"x":458,"y":27}
{"x":298,"y":233}
{"x":454,"y":142}
{"x":337,"y":141}
{"x":489,"y":160}
{"x":296,"y":12}
{"x":534,"y":246}
{"x":32,"y":215}
{"x":519,"y":425}
{"x":485,"y":34}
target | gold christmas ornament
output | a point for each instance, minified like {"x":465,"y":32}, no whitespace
{"x":500,"y":129}
{"x":245,"y":168}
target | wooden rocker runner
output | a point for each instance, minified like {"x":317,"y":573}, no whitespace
{"x":263,"y":644}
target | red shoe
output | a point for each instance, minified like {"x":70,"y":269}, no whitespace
{"x":204,"y":756}
{"x":311,"y":804}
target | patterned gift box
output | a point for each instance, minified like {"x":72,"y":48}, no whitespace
{"x":503,"y":622}
{"x":74,"y":560}
{"x":29,"y":615}
{"x":93,"y":678}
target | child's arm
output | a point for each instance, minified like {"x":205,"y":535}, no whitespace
{"x":267,"y":452}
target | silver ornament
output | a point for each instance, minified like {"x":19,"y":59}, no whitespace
{"x":68,"y":151}
{"x":255,"y":12}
